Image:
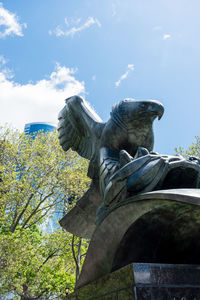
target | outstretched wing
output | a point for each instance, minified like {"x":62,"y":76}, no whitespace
{"x":79,"y":127}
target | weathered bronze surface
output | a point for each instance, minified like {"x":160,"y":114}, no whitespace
{"x":122,"y":163}
{"x":139,"y":200}
{"x":112,"y":145}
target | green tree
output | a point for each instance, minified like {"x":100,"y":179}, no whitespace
{"x":37,"y":175}
{"x":36,"y":179}
{"x":193,"y":150}
{"x":35,"y":265}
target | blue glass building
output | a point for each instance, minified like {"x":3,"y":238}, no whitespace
{"x":34,"y":127}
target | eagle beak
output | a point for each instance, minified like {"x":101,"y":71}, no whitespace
{"x":156,"y":108}
{"x":160,"y":111}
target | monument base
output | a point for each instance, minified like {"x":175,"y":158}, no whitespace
{"x":144,"y":281}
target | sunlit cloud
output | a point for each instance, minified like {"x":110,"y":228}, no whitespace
{"x":59,"y":31}
{"x":130,"y":68}
{"x":9,"y":24}
{"x":37,"y":102}
{"x":166,"y":36}
{"x":66,"y":21}
{"x":8,"y":73}
{"x":3,"y":61}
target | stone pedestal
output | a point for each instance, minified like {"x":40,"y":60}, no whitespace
{"x":143,"y":281}
{"x":161,"y":227}
{"x":166,"y":282}
{"x":157,"y":227}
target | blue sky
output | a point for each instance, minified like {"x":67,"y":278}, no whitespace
{"x":104,"y":50}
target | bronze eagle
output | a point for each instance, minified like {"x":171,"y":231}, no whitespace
{"x":111,"y":145}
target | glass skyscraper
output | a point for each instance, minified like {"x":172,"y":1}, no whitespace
{"x":38,"y":126}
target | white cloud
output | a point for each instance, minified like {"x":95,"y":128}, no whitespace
{"x":166,"y":36}
{"x":7,"y":73}
{"x":3,"y":69}
{"x":72,"y":31}
{"x":3,"y":61}
{"x":75,"y":21}
{"x":9,"y":24}
{"x":37,"y":102}
{"x":130,"y":68}
{"x":66,"y":21}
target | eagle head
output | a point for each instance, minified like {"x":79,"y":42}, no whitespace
{"x":136,"y":111}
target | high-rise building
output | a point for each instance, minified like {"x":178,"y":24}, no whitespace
{"x":34,"y":127}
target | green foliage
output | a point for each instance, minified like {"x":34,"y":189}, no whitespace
{"x":193,"y":150}
{"x":37,"y":175}
{"x":35,"y":264}
{"x":36,"y":178}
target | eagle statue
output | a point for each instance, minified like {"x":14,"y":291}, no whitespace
{"x":122,"y":161}
{"x":112,"y":145}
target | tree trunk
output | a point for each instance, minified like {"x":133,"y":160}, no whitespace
{"x":77,"y":256}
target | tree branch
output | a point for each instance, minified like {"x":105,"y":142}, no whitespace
{"x":35,"y":210}
{"x":13,"y":227}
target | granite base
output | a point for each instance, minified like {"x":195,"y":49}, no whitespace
{"x":144,"y":281}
